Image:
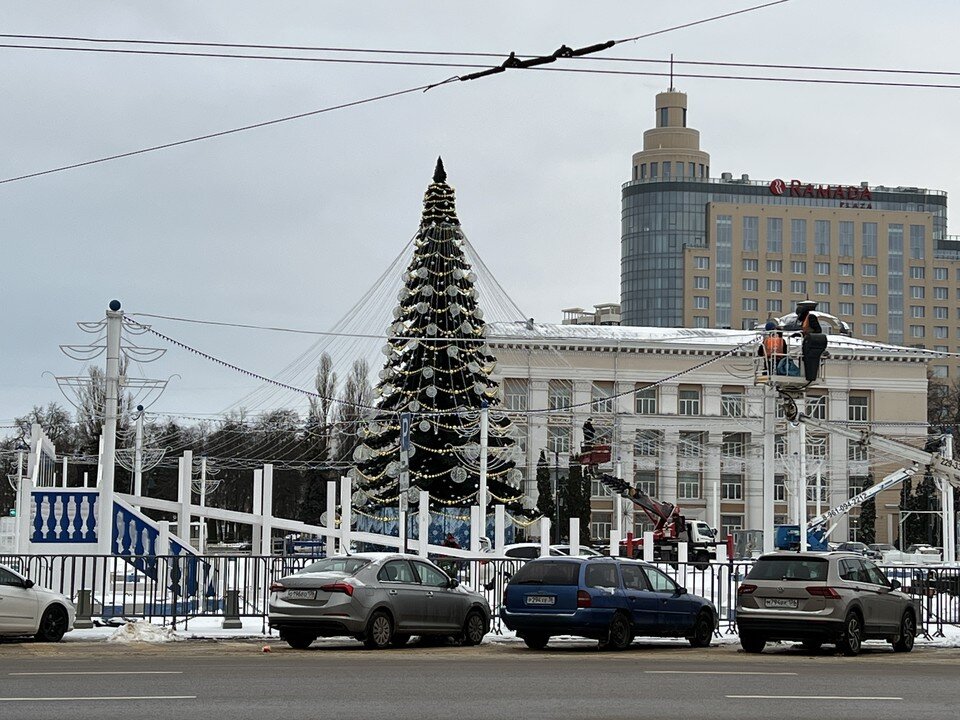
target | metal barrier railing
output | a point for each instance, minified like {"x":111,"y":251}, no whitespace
{"x":239,"y":585}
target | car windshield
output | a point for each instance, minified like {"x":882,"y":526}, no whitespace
{"x":345,"y":565}
{"x":801,"y":568}
{"x":550,"y":572}
{"x":565,"y":549}
{"x":853,"y":546}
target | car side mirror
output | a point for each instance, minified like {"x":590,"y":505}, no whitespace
{"x":453,"y":583}
{"x":28,"y":584}
{"x":681,"y":590}
{"x":895,"y":585}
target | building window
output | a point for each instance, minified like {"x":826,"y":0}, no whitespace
{"x":869,"y":329}
{"x":939,"y":371}
{"x":798,"y":236}
{"x":846,"y":308}
{"x":751,"y":233}
{"x":845,"y":245}
{"x":703,"y":262}
{"x":940,"y":274}
{"x":856,"y":485}
{"x":940,"y":332}
{"x":731,"y":486}
{"x":751,"y":265}
{"x":701,"y":302}
{"x":869,"y":309}
{"x":822,"y":288}
{"x":775,"y":286}
{"x":918,"y":311}
{"x":774,"y":266}
{"x":821,"y":268}
{"x":731,"y":403}
{"x":688,"y":485}
{"x":701,"y":282}
{"x":779,"y":488}
{"x":941,"y":313}
{"x":858,"y":408}
{"x":691,"y":445}
{"x":917,"y":331}
{"x":648,"y":443}
{"x":688,"y":400}
{"x":601,"y":397}
{"x":751,"y":285}
{"x":941,"y":293}
{"x":646,"y":400}
{"x":733,"y":445}
{"x":846,"y":269}
{"x":918,"y":241}
{"x":560,"y":394}
{"x":729,"y":524}
{"x":846,"y":288}
{"x":654,"y":170}
{"x":775,"y":306}
{"x":816,"y":407}
{"x":821,"y":237}
{"x":824,"y":306}
{"x":514,"y":394}
{"x":775,"y":235}
{"x":917,"y":272}
{"x":701,"y":321}
{"x":600,"y":525}
{"x":798,"y":287}
{"x":869,"y":289}
{"x":598,"y":489}
{"x":664,"y":114}
{"x":646,"y":480}
{"x":750,"y":304}
{"x":868,"y":270}
{"x":691,"y":167}
{"x":917,"y":292}
{"x":798,"y":267}
{"x":643,"y":171}
{"x":558,"y":438}
{"x":869,"y":230}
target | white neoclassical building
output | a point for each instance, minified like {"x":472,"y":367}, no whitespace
{"x":684,"y":417}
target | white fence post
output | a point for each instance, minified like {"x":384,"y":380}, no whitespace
{"x":544,"y":535}
{"x":574,"y":536}
{"x":163,"y":539}
{"x":722,"y":552}
{"x":648,"y":546}
{"x":475,"y":530}
{"x":25,"y":521}
{"x":346,"y":513}
{"x":331,"y":517}
{"x":683,"y":552}
{"x":257,"y":511}
{"x":266,"y":532}
{"x":423,"y":522}
{"x":184,"y":491}
{"x":614,"y":543}
{"x":499,"y":527}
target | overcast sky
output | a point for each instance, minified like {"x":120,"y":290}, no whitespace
{"x":289,"y":225}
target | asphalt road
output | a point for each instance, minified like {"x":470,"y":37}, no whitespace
{"x":236,"y":680}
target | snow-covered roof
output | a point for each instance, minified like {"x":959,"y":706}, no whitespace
{"x":674,"y":338}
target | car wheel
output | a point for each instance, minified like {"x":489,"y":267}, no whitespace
{"x":474,"y":628}
{"x":908,"y":633}
{"x":53,"y":624}
{"x":299,"y":641}
{"x":752,"y":643}
{"x":400,"y":639}
{"x":379,"y":631}
{"x":536,"y":642}
{"x":702,"y":630}
{"x":852,"y":638}
{"x":701,"y":561}
{"x":811,"y":645}
{"x":620,"y":634}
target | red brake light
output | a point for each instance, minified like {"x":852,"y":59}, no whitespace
{"x":746,"y":589}
{"x":346,"y":588}
{"x":823,"y":591}
{"x":277,"y":587}
{"x":583,"y":599}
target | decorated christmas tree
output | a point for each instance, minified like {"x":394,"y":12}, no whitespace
{"x":438,"y":369}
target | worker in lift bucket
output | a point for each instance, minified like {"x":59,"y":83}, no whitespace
{"x":588,"y":434}
{"x":773,"y":347}
{"x":814,"y":341}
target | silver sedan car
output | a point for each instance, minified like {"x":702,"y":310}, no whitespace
{"x":381,"y":599}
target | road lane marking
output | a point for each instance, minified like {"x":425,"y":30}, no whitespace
{"x":714,"y":672}
{"x":102,"y":697}
{"x":812,"y":697}
{"x":104,"y":672}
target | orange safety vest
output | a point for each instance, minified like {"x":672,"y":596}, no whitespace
{"x":774,"y":345}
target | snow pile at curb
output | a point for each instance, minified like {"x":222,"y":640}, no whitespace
{"x":143,"y":632}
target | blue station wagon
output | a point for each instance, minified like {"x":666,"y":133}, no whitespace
{"x":611,"y":600}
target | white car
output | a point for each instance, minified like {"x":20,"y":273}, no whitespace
{"x":26,"y":609}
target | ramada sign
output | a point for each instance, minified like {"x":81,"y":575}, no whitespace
{"x":853,"y":196}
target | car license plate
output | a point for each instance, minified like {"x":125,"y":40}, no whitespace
{"x":301,"y":594}
{"x":541,"y":599}
{"x":781,"y":602}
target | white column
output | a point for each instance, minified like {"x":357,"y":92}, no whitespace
{"x":331,"y":544}
{"x":25,"y":524}
{"x":184,"y":491}
{"x":202,"y":528}
{"x":711,"y":478}
{"x":346,"y":513}
{"x":163,"y":539}
{"x":257,"y":511}
{"x":614,"y":543}
{"x":499,"y":526}
{"x":112,"y":391}
{"x":802,"y":486}
{"x":544,"y":536}
{"x":668,"y":465}
{"x":574,"y":536}
{"x":949,"y":515}
{"x":476,"y":530}
{"x":769,"y":450}
{"x":484,"y":427}
{"x":138,"y":456}
{"x":648,"y":546}
{"x":423,"y":523}
{"x":266,"y":535}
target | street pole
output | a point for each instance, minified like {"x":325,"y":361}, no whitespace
{"x":949,"y":515}
{"x":405,"y":420}
{"x":556,"y":492}
{"x":202,"y":528}
{"x":138,"y":455}
{"x":482,"y":491}
{"x":109,"y":456}
{"x":802,"y":487}
{"x":769,"y":449}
